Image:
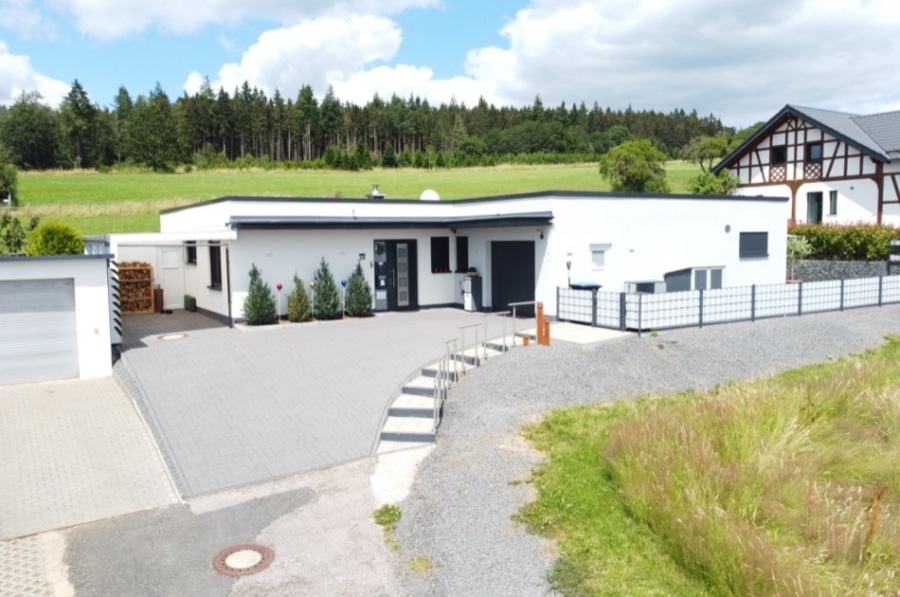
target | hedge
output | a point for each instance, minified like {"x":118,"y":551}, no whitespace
{"x":856,"y":242}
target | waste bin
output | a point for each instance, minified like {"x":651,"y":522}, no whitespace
{"x":158,"y":300}
{"x":584,"y":286}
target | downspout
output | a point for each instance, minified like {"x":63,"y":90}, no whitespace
{"x":879,"y":182}
{"x":228,"y":283}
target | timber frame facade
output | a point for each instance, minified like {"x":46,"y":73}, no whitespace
{"x":835,"y":167}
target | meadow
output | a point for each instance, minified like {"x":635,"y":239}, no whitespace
{"x":785,"y":486}
{"x":130,"y":201}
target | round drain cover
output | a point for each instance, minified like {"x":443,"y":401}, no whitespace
{"x":246,"y":558}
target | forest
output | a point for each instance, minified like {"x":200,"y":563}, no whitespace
{"x":247,"y":128}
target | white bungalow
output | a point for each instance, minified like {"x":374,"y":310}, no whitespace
{"x":416,"y":254}
{"x":835,"y":167}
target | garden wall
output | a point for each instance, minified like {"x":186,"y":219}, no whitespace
{"x":814,"y":270}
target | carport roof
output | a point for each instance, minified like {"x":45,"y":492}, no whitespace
{"x":506,"y":220}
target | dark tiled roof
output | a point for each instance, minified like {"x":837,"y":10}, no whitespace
{"x":883,"y":129}
{"x":877,"y":135}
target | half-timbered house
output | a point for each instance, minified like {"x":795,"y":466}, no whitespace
{"x":835,"y":167}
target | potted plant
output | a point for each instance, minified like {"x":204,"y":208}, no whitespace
{"x":798,"y":249}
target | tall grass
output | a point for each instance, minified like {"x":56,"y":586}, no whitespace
{"x":787,"y":486}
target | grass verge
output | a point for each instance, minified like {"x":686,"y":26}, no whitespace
{"x":786,"y":486}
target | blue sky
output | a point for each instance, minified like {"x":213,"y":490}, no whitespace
{"x":740,"y":60}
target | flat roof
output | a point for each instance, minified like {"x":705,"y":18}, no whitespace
{"x":298,"y":222}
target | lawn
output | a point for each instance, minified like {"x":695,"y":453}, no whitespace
{"x":130,"y":201}
{"x":786,"y":486}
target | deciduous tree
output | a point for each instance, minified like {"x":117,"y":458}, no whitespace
{"x":635,"y":167}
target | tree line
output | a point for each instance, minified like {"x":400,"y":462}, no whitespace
{"x":220,"y":129}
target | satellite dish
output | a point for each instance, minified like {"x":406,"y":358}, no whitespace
{"x":429,"y":195}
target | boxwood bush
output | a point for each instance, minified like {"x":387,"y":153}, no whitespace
{"x":856,"y":242}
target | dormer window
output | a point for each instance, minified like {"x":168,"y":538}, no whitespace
{"x":779,"y":155}
{"x":813,"y":152}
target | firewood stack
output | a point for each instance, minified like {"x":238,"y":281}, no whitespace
{"x":136,"y":287}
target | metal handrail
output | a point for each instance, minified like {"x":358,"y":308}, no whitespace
{"x":514,"y":305}
{"x":462,"y":331}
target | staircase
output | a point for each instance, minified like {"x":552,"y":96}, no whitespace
{"x":416,"y":411}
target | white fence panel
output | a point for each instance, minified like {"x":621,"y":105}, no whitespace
{"x":660,"y":311}
{"x":890,"y":291}
{"x":609,"y":310}
{"x":861,"y":292}
{"x":727,"y":304}
{"x":575,"y":305}
{"x":776,"y":300}
{"x":821,"y":296}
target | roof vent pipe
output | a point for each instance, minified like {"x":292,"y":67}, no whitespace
{"x":376,"y":195}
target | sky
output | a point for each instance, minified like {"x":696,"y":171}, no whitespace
{"x":740,"y":60}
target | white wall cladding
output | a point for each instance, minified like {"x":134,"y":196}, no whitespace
{"x":90,"y":280}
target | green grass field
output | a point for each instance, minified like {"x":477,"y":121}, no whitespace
{"x":787,"y":486}
{"x":130,"y":201}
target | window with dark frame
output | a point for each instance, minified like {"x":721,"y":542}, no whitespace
{"x":832,"y":203}
{"x":190,"y":252}
{"x":779,"y":155}
{"x":462,"y":254}
{"x":215,"y":267}
{"x":813,"y":152}
{"x":440,"y":254}
{"x":754,"y":244}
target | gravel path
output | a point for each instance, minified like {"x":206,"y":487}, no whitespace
{"x":456,"y":520}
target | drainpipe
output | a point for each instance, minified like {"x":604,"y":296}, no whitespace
{"x":228,"y":283}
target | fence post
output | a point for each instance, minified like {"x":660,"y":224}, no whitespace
{"x":594,"y":307}
{"x":701,"y":307}
{"x":880,"y":288}
{"x":622,"y":311}
{"x":842,"y":294}
{"x":558,"y":310}
{"x":640,"y":314}
{"x":753,"y":302}
{"x":800,"y":298}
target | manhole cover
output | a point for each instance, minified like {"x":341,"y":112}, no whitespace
{"x":246,"y":558}
{"x":171,"y":337}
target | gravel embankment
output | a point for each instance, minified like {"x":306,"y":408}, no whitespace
{"x":458,"y":512}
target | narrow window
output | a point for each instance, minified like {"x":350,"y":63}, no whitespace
{"x":813,"y":152}
{"x":190,"y":252}
{"x":462,"y":253}
{"x":832,"y":203}
{"x":215,"y":267}
{"x":814,"y":208}
{"x":779,"y":155}
{"x":754,"y":244}
{"x":598,"y":255}
{"x":440,"y":254}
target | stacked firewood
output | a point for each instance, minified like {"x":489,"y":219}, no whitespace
{"x":136,"y":287}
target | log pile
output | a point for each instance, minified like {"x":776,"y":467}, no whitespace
{"x":136,"y":287}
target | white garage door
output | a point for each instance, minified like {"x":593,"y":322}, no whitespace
{"x":37,"y":327}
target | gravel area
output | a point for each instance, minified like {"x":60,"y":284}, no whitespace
{"x":456,"y":532}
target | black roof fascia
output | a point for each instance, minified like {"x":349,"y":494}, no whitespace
{"x":765,"y":129}
{"x":310,"y":223}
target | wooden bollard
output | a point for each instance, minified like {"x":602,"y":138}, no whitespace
{"x":526,"y":339}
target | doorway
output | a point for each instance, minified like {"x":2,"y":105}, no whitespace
{"x":512,"y":275}
{"x":814,"y":208}
{"x":396,"y":282}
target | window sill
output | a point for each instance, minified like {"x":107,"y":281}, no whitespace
{"x":215,"y":287}
{"x":766,"y":256}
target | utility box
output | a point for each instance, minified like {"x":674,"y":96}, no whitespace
{"x":472,"y":291}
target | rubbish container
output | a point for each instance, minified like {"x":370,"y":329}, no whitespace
{"x":584,"y":286}
{"x":158,"y":300}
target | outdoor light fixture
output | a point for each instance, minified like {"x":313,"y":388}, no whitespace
{"x":362,"y":256}
{"x":541,"y":232}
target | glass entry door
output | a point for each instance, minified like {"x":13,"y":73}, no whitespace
{"x":395,"y":275}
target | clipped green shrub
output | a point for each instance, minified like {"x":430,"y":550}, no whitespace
{"x":298,"y":302}
{"x":327,"y":298}
{"x":259,"y":306}
{"x":359,"y":294}
{"x":54,"y":238}
{"x":856,"y":242}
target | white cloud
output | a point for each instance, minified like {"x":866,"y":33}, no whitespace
{"x":115,"y":19}
{"x":742,"y":60}
{"x":23,"y":18}
{"x":17,"y":76}
{"x":741,"y":63}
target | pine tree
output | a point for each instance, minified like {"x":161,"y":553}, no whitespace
{"x":327,"y":301}
{"x":259,"y":306}
{"x":359,"y":294}
{"x":298,"y":302}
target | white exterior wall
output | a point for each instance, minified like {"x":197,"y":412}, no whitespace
{"x":91,"y":303}
{"x":650,"y":237}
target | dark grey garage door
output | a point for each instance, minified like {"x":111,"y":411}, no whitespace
{"x":37,"y":327}
{"x":512,"y":275}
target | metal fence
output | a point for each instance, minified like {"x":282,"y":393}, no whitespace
{"x":641,"y":311}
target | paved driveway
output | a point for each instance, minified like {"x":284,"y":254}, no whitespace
{"x":232,"y":407}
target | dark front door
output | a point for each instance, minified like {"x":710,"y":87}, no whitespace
{"x":814,"y":208}
{"x":396,"y":285}
{"x":512,"y":275}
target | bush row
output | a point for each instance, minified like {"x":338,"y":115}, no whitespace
{"x":856,"y":242}
{"x":260,"y":309}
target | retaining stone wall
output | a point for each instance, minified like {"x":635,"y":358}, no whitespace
{"x":813,"y":270}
